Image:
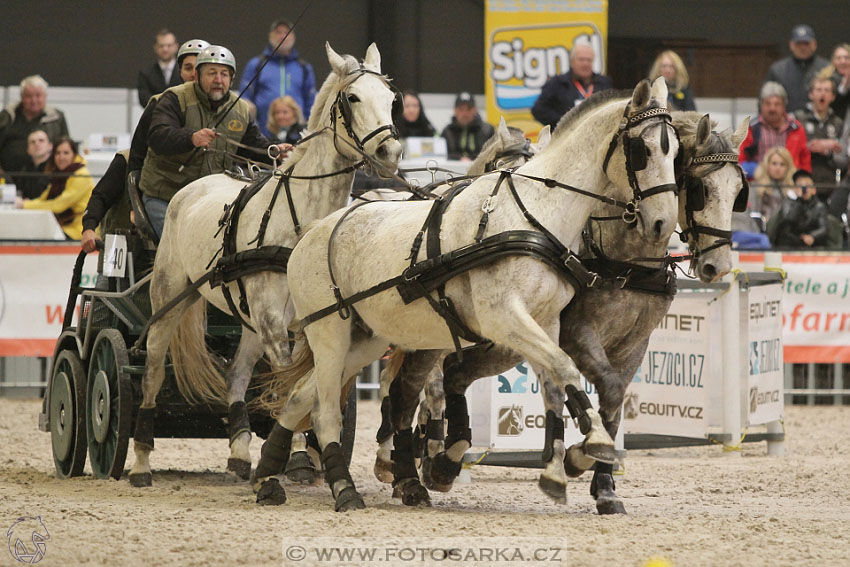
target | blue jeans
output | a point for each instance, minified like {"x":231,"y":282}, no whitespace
{"x":156,"y":212}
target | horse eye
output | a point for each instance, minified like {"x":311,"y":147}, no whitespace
{"x":352,"y":98}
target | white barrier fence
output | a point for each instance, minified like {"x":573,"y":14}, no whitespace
{"x":713,"y":372}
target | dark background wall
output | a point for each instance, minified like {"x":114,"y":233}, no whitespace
{"x":429,"y":45}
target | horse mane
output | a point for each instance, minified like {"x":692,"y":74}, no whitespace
{"x":591,"y":103}
{"x":686,"y":124}
{"x":491,"y":148}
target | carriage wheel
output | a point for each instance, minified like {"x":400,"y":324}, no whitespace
{"x":67,"y":414}
{"x":110,"y":405}
{"x":349,"y":423}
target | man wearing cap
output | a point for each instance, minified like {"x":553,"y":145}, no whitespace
{"x":563,"y":92}
{"x":467,"y":132}
{"x":189,"y":130}
{"x":162,"y":74}
{"x":796,"y":71}
{"x":285,"y":74}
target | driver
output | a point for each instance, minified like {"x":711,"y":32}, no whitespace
{"x":184,"y":142}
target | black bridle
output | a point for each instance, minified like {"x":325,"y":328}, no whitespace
{"x":635,"y":153}
{"x":509,"y":155}
{"x":341,"y":110}
{"x":695,"y":193}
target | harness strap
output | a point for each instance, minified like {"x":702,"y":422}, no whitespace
{"x":487,"y":207}
{"x":168,"y":306}
{"x":548,"y":182}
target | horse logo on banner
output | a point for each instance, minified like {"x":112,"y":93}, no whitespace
{"x":510,"y":421}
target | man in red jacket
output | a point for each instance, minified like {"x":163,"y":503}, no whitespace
{"x":774,"y":127}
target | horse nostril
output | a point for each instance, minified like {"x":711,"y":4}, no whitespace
{"x":659,"y":227}
{"x":709,"y":272}
{"x":382,"y":152}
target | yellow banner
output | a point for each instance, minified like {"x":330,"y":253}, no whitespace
{"x":529,"y":41}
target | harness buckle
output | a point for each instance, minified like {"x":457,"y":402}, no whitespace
{"x":621,"y":281}
{"x":632,"y":210}
{"x":594,"y":281}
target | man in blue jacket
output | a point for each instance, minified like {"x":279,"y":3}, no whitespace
{"x":285,"y":74}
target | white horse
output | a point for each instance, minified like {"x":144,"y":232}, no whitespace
{"x":515,"y":301}
{"x":353,"y":109}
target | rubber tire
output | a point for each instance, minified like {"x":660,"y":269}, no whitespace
{"x":71,"y":465}
{"x":349,"y":425}
{"x":109,"y":354}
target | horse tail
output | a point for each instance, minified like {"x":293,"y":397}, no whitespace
{"x":391,"y":370}
{"x":282,"y":380}
{"x":197,"y":373}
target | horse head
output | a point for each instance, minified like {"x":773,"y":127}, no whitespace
{"x":714,"y":187}
{"x":506,"y":149}
{"x":648,"y":146}
{"x":360,"y":107}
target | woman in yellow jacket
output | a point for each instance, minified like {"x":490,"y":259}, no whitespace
{"x":69,"y":190}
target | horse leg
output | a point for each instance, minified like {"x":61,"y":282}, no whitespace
{"x":159,"y":337}
{"x":383,"y":459}
{"x":431,"y":411}
{"x":337,"y":355}
{"x":440,"y":471}
{"x":553,"y":479}
{"x":300,"y":468}
{"x":404,"y":395}
{"x":275,"y":452}
{"x":239,"y":427}
{"x":602,"y":487}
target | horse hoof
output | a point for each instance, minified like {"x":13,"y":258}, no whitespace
{"x":240,"y":468}
{"x":383,"y":470}
{"x":440,"y":472}
{"x":397,"y":491}
{"x":555,"y":490}
{"x":606,"y":505}
{"x":300,"y":468}
{"x":349,"y":499}
{"x":141,"y":480}
{"x":271,"y":493}
{"x":600,"y":452}
{"x":576,"y":462}
{"x":413,"y":493}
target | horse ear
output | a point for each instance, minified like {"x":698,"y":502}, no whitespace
{"x":641,"y":96}
{"x":659,"y":91}
{"x":741,"y":133}
{"x":502,"y":130}
{"x":335,"y":59}
{"x":544,"y":137}
{"x":703,"y":130}
{"x":373,"y":58}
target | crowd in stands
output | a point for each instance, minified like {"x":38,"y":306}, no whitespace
{"x":795,"y":154}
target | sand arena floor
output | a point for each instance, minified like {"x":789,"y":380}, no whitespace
{"x":694,"y":507}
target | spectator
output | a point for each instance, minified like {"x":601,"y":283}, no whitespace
{"x":773,"y":180}
{"x":796,"y":71}
{"x":285,"y":74}
{"x":162,"y":74}
{"x":69,"y":188}
{"x":823,"y":128}
{"x":286,"y":120}
{"x":669,"y":65}
{"x":839,"y":71}
{"x":562,"y":92}
{"x":39,"y":149}
{"x":182,"y":121}
{"x":467,"y":132}
{"x":413,"y":121}
{"x":18,"y":121}
{"x":774,"y":127}
{"x":802,"y":222}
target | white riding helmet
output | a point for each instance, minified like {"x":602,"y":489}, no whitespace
{"x":192,"y":47}
{"x":216,"y":54}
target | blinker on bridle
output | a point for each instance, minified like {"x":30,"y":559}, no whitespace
{"x":634,"y":150}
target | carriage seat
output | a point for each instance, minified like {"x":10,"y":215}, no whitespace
{"x":140,"y":215}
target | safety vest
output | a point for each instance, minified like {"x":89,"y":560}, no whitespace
{"x":162,"y":176}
